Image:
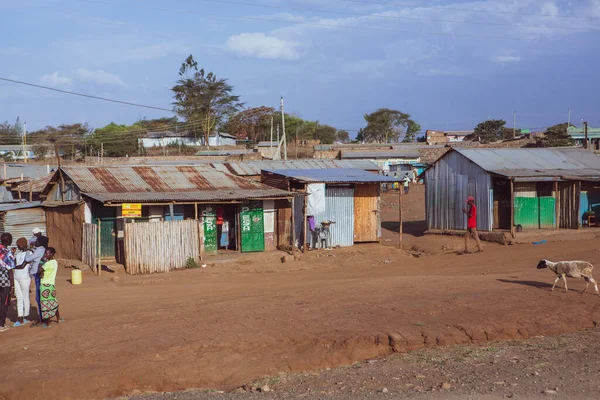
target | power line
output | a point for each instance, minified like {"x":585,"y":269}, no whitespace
{"x":393,"y":17}
{"x":320,"y":25}
{"x":468,"y":9}
{"x":84,"y":95}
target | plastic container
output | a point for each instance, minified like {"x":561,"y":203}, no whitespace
{"x":76,"y":277}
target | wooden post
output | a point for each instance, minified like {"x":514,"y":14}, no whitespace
{"x":557,"y":204}
{"x":196,"y":211}
{"x":99,"y":247}
{"x":30,"y":190}
{"x":304,"y":225}
{"x":293,"y":227}
{"x":400,"y":220}
{"x":62,"y":179}
{"x":578,"y":202}
{"x":512,"y":209}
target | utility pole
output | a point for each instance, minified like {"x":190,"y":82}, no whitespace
{"x":102,"y":153}
{"x":569,"y":120}
{"x":585,"y":131}
{"x":24,"y":140}
{"x":283,"y":131}
{"x":271,"y":141}
{"x":514,"y":124}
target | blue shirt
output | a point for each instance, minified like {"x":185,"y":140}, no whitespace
{"x":34,"y":259}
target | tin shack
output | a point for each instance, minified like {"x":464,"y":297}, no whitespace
{"x":347,"y":200}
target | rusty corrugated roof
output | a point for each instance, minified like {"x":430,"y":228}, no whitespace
{"x":254,"y":168}
{"x":165,"y":183}
{"x":35,"y":185}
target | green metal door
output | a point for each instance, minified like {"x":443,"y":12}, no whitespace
{"x":210,"y":229}
{"x":527,"y":212}
{"x":547,"y":212}
{"x":108,"y":234}
{"x":253,"y":227}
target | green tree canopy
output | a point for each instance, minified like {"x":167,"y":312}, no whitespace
{"x":203,"y":100}
{"x":342,"y":136}
{"x":490,"y":131}
{"x":386,"y":125}
{"x":557,"y":136}
{"x":11,"y":133}
{"x":252,"y":123}
{"x":70,"y":138}
{"x":117,"y":140}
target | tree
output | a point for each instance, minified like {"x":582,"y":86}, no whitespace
{"x":9,"y":133}
{"x":116,"y":140}
{"x":385,"y":125}
{"x":70,"y":138}
{"x":490,"y":131}
{"x":325,"y":133}
{"x":202,"y":99}
{"x":412,"y":128}
{"x":252,"y":123}
{"x":342,"y":136}
{"x":158,"y":124}
{"x":557,"y":136}
{"x":360,"y":136}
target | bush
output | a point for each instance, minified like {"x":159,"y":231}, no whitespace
{"x":191,"y":263}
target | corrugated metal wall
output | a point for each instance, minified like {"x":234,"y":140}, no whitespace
{"x":20,"y":223}
{"x":447,"y":186}
{"x":339,"y":207}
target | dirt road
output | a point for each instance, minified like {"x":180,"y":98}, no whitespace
{"x":564,"y":366}
{"x":235,"y":322}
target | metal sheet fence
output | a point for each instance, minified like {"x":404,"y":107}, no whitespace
{"x":89,"y":246}
{"x":161,"y":246}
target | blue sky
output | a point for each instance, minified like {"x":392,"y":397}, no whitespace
{"x":441,"y":61}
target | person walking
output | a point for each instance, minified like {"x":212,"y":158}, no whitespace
{"x":405,"y":183}
{"x":7,"y":264}
{"x":48,"y":297}
{"x":471,"y":212}
{"x":22,"y":281}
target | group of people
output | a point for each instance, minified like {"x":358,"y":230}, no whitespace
{"x":404,"y":181}
{"x":31,"y":260}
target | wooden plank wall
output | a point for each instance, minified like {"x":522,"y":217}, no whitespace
{"x":161,"y":246}
{"x":366,"y":207}
{"x":89,"y":246}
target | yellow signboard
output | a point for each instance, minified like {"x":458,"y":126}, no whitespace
{"x":132,"y":210}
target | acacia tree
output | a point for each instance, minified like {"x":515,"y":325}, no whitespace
{"x":252,"y":123}
{"x":342,"y":136}
{"x":202,"y":99}
{"x":70,"y":138}
{"x":386,"y":125}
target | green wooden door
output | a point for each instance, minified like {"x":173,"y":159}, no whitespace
{"x":527,"y":212}
{"x":253,"y":227}
{"x":210,"y":229}
{"x":108,"y":235}
{"x":547,"y":212}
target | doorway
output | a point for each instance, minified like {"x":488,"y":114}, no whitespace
{"x":502,"y":206}
{"x":227,"y":226}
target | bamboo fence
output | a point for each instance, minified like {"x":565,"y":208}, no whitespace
{"x":161,"y":246}
{"x":89,"y":245}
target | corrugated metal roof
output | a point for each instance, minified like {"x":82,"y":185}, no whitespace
{"x":165,"y":183}
{"x":15,"y":170}
{"x":253,"y":168}
{"x":223,"y":153}
{"x":268,"y":144}
{"x":535,"y":162}
{"x":335,"y":175}
{"x":19,"y":206}
{"x":35,"y":185}
{"x":379,"y":154}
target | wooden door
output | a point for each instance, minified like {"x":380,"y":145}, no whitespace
{"x":366,"y":213}
{"x":284,"y":224}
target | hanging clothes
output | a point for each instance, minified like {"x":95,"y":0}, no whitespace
{"x":316,"y":198}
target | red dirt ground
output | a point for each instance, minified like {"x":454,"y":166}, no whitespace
{"x":234,"y":322}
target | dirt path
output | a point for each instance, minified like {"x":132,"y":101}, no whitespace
{"x":564,"y":366}
{"x":223,"y":326}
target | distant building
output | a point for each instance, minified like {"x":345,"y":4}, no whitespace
{"x":268,"y":150}
{"x":384,"y":159}
{"x":457,"y":136}
{"x":578,"y":135}
{"x":435,"y":137}
{"x":17,"y":152}
{"x":166,"y":138}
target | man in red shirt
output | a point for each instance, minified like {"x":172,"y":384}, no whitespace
{"x":471,"y":212}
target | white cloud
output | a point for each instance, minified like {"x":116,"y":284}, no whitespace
{"x":507,"y":59}
{"x":260,"y":45}
{"x":55,"y":79}
{"x":99,"y":76}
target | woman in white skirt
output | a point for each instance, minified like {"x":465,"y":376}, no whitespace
{"x":22,"y":283}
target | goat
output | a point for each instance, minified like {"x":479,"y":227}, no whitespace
{"x":572,"y":269}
